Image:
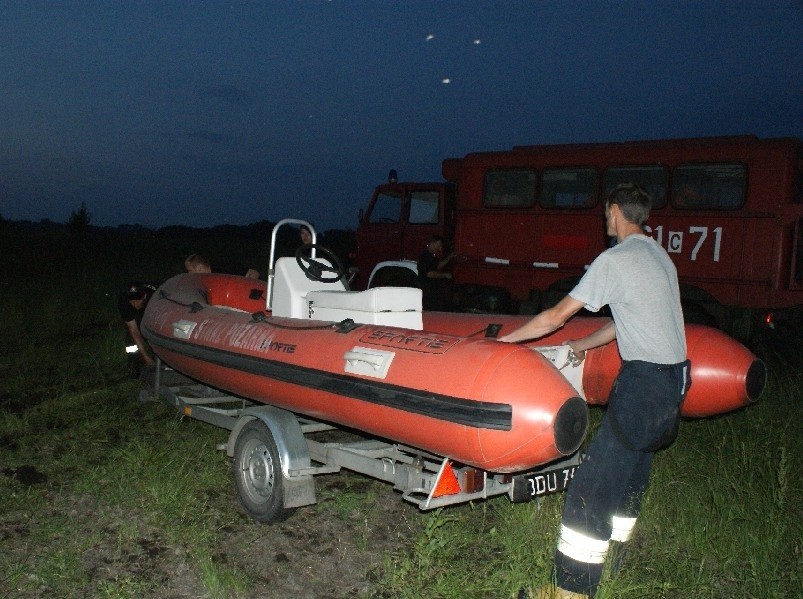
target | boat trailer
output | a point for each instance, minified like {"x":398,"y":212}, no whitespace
{"x":276,"y":457}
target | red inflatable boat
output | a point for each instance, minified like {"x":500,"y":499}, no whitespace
{"x":436,"y":381}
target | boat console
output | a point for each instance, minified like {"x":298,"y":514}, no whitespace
{"x":297,"y":296}
{"x":311,"y":287}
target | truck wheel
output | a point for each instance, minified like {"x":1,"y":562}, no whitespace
{"x":258,"y":473}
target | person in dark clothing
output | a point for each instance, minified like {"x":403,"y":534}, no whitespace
{"x":436,"y":283}
{"x":131,"y":305}
{"x":638,"y":282}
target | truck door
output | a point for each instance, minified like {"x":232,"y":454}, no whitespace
{"x":379,"y":236}
{"x":425,"y":220}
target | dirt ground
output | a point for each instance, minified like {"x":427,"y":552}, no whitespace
{"x":329,"y":550}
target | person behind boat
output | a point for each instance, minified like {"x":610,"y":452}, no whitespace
{"x":434,"y":280}
{"x":199,"y":263}
{"x":131,"y":305}
{"x":305,"y":235}
{"x":304,"y":239}
{"x":638,"y":282}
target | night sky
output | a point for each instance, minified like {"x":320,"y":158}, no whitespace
{"x":205,"y":113}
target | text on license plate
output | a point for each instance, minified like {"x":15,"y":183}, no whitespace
{"x":537,"y":484}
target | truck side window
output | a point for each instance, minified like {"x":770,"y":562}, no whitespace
{"x":568,"y":188}
{"x":509,"y":188}
{"x":387,"y":208}
{"x":652,"y":179}
{"x":709,"y":186}
{"x":424,"y":207}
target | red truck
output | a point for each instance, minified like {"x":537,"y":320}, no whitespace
{"x":527,"y":222}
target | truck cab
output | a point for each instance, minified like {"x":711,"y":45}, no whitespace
{"x":396,"y":227}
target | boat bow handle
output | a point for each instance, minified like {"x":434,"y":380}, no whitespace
{"x":352,"y":357}
{"x":368,"y":361}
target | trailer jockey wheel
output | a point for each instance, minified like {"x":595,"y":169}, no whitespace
{"x":258,"y":473}
{"x":315,"y":269}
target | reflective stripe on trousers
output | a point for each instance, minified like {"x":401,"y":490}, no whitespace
{"x":622,"y":528}
{"x":580,"y":547}
{"x":131,"y":349}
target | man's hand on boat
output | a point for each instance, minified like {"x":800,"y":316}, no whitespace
{"x":576,"y":356}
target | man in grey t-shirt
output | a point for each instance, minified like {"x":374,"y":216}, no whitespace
{"x":638,"y":281}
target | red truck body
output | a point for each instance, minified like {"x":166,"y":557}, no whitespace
{"x":527,"y":222}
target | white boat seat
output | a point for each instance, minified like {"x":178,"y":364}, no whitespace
{"x":291,"y":286}
{"x":392,"y":306}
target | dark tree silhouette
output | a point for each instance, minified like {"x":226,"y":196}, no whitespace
{"x":79,"y":220}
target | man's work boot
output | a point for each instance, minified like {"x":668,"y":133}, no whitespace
{"x":551,"y":592}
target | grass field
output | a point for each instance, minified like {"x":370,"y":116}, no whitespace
{"x":96,"y":491}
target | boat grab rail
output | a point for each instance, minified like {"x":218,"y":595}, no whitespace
{"x":272,"y":259}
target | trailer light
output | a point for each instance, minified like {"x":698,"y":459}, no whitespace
{"x":447,"y":483}
{"x":473,"y":480}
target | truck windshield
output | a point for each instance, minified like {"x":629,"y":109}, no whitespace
{"x":387,"y":208}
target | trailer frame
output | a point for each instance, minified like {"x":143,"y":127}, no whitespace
{"x":275,"y":458}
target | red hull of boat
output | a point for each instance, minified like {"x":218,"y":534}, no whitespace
{"x":448,"y":389}
{"x":499,"y":407}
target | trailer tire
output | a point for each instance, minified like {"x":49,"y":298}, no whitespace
{"x":257,"y":474}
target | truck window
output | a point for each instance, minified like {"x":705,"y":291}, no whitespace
{"x":568,"y":188}
{"x":511,"y":188}
{"x":387,"y":208}
{"x":424,"y":207}
{"x":709,"y":186}
{"x":652,"y":179}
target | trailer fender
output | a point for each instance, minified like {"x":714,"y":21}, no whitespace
{"x":299,"y":489}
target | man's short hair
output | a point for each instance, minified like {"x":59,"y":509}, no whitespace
{"x":633,"y":201}
{"x":194,"y":260}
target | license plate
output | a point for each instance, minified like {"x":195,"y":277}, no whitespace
{"x":553,"y":479}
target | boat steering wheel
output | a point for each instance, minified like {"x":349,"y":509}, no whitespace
{"x":314,"y":269}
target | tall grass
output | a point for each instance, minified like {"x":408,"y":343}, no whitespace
{"x":722,"y":518}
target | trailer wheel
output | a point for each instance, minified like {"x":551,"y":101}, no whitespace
{"x":258,"y":473}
